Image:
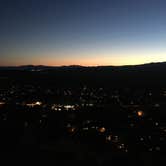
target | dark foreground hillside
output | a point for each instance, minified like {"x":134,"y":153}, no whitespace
{"x":78,"y":115}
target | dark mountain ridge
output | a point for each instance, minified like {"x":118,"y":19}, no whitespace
{"x":146,"y":75}
{"x":43,"y":67}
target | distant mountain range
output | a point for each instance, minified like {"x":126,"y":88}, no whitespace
{"x":145,"y":75}
{"x":37,"y":67}
{"x":42,"y":67}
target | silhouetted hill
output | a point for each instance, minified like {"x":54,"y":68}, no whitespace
{"x":128,"y":67}
{"x":39,"y":67}
{"x":146,"y":75}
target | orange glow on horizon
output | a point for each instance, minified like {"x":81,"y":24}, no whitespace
{"x":84,"y":60}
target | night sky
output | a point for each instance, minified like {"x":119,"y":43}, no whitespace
{"x":82,"y":32}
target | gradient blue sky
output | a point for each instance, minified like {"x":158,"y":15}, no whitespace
{"x":82,"y":32}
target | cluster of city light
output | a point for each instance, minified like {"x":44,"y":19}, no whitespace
{"x":69,"y":107}
{"x":37,"y":103}
{"x":59,"y":107}
{"x":138,"y":114}
{"x":56,"y":107}
{"x":109,"y":137}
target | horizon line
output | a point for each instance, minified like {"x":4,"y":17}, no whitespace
{"x":36,"y":65}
